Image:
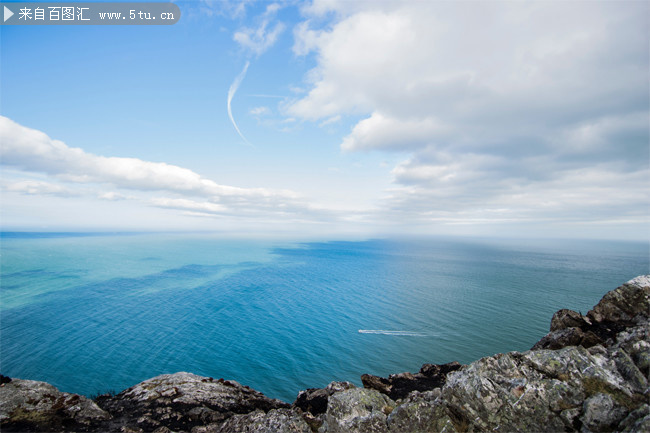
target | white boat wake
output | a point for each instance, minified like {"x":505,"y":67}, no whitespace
{"x":389,"y":332}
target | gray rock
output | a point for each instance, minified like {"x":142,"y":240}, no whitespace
{"x":552,"y":390}
{"x":637,"y":421}
{"x":601,"y":413}
{"x":357,"y":410}
{"x":420,"y":412}
{"x":636,"y":342}
{"x":274,"y":421}
{"x":38,"y":406}
{"x":192,"y":390}
{"x":182,"y":401}
{"x":507,"y":393}
{"x":630,"y":372}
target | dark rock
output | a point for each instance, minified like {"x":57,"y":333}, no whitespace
{"x":398,"y":386}
{"x":314,"y":400}
{"x":4,"y":379}
{"x":567,"y":337}
{"x":568,"y":319}
{"x":381,"y":384}
{"x":431,"y":370}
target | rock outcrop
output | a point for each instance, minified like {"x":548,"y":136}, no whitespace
{"x":28,"y":405}
{"x":589,"y":374}
{"x":400,"y":385}
{"x":623,"y":308}
{"x":183,"y":401}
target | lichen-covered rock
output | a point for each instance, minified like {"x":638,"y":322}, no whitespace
{"x":507,"y":393}
{"x":602,"y":413}
{"x":635,"y":341}
{"x":273,"y":421}
{"x":357,"y":410}
{"x":577,"y":365}
{"x":28,"y":405}
{"x":637,"y":421}
{"x":420,"y":412}
{"x":636,"y":380}
{"x":551,"y":390}
{"x":181,"y":401}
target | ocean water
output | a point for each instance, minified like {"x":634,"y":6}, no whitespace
{"x":95,"y":313}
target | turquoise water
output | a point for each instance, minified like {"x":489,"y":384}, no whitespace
{"x":96,"y":313}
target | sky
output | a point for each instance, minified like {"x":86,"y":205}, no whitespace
{"x":334,"y":118}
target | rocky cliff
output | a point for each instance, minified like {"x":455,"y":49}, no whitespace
{"x":589,"y":374}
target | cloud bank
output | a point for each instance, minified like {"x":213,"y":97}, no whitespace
{"x":503,"y":110}
{"x":155,"y":183}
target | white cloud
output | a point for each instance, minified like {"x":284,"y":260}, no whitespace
{"x":84,"y":180}
{"x":189,"y":205}
{"x":33,"y":151}
{"x":305,"y":39}
{"x":35,"y":187}
{"x":455,"y":63}
{"x":265,"y":35}
{"x":260,"y":111}
{"x":260,"y":39}
{"x":381,"y":132}
{"x":112,"y":196}
{"x":475,"y":188}
{"x":516,"y":109}
{"x":329,"y":121}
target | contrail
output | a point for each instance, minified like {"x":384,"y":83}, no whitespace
{"x":231,"y":92}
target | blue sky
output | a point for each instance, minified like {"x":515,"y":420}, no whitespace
{"x":358,"y":118}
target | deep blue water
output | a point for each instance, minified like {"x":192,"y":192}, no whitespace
{"x":96,"y":313}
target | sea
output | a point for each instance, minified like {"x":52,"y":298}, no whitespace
{"x":99,"y":312}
